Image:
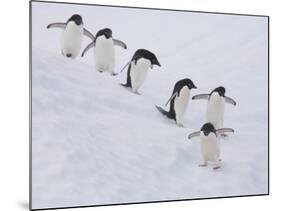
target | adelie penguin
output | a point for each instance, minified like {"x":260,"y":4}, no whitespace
{"x":104,"y":50}
{"x":178,"y":100}
{"x":71,"y":39}
{"x":141,"y":62}
{"x":210,"y":144}
{"x":216,"y":102}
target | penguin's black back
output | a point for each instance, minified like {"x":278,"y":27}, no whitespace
{"x":129,"y":83}
{"x":172,"y":113}
{"x":142,"y":53}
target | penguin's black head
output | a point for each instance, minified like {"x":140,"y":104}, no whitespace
{"x":76,"y":18}
{"x":143,"y":53}
{"x":184,"y":82}
{"x":106,"y":32}
{"x":208,"y":128}
{"x":220,"y":90}
{"x":189,"y":83}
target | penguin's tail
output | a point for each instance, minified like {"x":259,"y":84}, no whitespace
{"x":162,"y":111}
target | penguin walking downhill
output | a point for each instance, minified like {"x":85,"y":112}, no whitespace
{"x":178,"y":100}
{"x":104,"y":51}
{"x":71,"y":38}
{"x":216,"y":103}
{"x":141,"y":62}
{"x":210,"y":144}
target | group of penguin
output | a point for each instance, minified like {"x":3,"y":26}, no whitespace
{"x":143,"y":60}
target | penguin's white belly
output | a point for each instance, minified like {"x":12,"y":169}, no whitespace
{"x":215,"y":110}
{"x":138,"y":73}
{"x":104,"y":54}
{"x":71,"y":39}
{"x":181,"y":103}
{"x":210,"y":147}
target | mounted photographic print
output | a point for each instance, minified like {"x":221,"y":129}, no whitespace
{"x":136,"y":105}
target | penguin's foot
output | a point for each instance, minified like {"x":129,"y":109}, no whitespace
{"x":136,"y":92}
{"x":203,"y":164}
{"x":216,"y":167}
{"x":100,"y":71}
{"x":114,"y":74}
{"x":180,"y":124}
{"x":68,"y":55}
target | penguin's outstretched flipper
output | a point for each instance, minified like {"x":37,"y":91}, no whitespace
{"x":225,"y":130}
{"x":201,"y":97}
{"x":172,"y":97}
{"x":128,"y":82}
{"x":122,"y":69}
{"x":222,"y":132}
{"x":88,"y":34}
{"x":230,"y":100}
{"x":120,"y":43}
{"x":57,"y":25}
{"x":194,"y":134}
{"x":90,"y":45}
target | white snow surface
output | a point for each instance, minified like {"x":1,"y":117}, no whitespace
{"x":94,"y":142}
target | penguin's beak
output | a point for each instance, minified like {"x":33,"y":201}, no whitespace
{"x":157,"y":63}
{"x":194,"y":87}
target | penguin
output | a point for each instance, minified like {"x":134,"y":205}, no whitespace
{"x":141,"y":62}
{"x":104,"y":52}
{"x":178,"y":100}
{"x":216,"y":104}
{"x":210,"y":143}
{"x":71,"y":38}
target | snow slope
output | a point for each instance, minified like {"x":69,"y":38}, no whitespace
{"x":94,"y":142}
